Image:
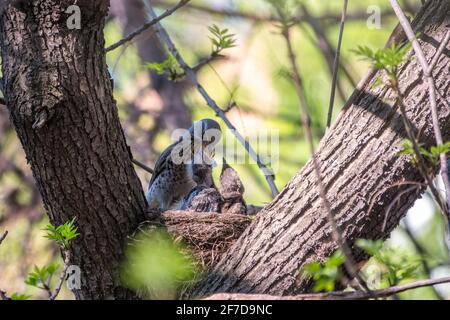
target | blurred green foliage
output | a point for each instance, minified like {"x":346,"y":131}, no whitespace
{"x":387,"y":59}
{"x":168,"y":67}
{"x":431,"y":155}
{"x":156,"y":266}
{"x":40,"y":277}
{"x":327,"y":274}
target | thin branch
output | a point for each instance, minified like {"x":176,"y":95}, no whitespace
{"x":445,"y":102}
{"x":328,"y":17}
{"x":142,"y":166}
{"x":62,"y":276}
{"x":439,"y":51}
{"x":422,"y":253}
{"x":192,"y":76}
{"x":147,"y":25}
{"x":337,"y":295}
{"x":421,"y":164}
{"x":3,"y":237}
{"x":3,"y":295}
{"x":336,"y":63}
{"x":427,"y":71}
{"x":397,"y":184}
{"x":205,"y":61}
{"x":337,"y":236}
{"x":393,"y":202}
{"x":324,"y":44}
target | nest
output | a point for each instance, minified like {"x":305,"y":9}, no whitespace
{"x":206,"y":235}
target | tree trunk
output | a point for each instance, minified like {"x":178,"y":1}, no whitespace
{"x":59,"y":94}
{"x":359,"y":163}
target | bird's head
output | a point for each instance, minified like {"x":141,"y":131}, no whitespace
{"x":206,"y":131}
{"x":198,"y":143}
{"x":205,"y":135}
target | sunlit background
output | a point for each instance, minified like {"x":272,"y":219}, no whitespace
{"x":250,"y":80}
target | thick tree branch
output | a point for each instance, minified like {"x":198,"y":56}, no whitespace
{"x":358,"y":157}
{"x":337,"y":295}
{"x":79,"y":155}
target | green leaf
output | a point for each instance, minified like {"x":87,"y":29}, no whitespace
{"x":326,"y":274}
{"x":387,"y":59}
{"x":221,"y":39}
{"x":62,"y":234}
{"x":438,"y":150}
{"x":17,"y":296}
{"x":40,"y":276}
{"x":168,"y":67}
{"x":370,"y":247}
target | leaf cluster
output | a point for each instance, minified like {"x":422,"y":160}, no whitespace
{"x":62,"y":234}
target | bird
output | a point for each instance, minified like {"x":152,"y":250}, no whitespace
{"x":204,"y":197}
{"x":232,"y":191}
{"x":175,"y":174}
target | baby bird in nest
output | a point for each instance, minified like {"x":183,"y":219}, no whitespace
{"x":232,"y":191}
{"x":175,"y":170}
{"x":204,"y":197}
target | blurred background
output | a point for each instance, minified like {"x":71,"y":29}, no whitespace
{"x":250,"y":82}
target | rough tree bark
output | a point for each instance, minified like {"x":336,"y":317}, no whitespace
{"x":359,"y":159}
{"x":59,"y":95}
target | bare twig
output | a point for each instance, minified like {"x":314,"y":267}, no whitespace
{"x":396,"y":38}
{"x":393,"y":202}
{"x":336,"y":63}
{"x":337,"y":295}
{"x":397,"y":184}
{"x":144,"y":27}
{"x":142,"y":166}
{"x":422,"y":253}
{"x":62,"y":276}
{"x":432,"y":93}
{"x":439,"y":51}
{"x":337,"y":236}
{"x":205,"y":61}
{"x":3,"y":237}
{"x":3,"y":295}
{"x":328,"y":17}
{"x":325,"y":46}
{"x":192,"y":76}
{"x":421,"y":164}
